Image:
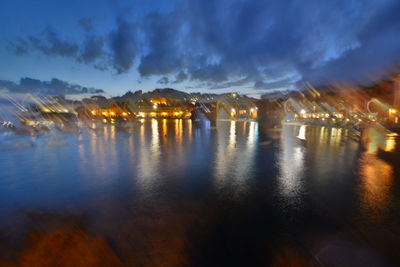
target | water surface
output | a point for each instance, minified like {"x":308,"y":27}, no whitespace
{"x":173,"y":192}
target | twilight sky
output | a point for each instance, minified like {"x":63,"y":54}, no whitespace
{"x":196,"y":45}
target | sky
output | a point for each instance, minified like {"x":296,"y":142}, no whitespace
{"x":251,"y":47}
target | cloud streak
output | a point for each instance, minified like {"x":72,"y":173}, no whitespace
{"x":53,"y":87}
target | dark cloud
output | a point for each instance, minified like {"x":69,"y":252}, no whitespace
{"x":93,"y":49}
{"x":50,"y":43}
{"x":163,"y":80}
{"x":52,"y":87}
{"x":163,"y":33}
{"x":262,"y":44}
{"x":377,"y":54}
{"x":86,"y":24}
{"x":180,"y":77}
{"x":123,"y":45}
{"x":19,"y":46}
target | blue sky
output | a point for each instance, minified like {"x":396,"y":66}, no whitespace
{"x":210,"y":46}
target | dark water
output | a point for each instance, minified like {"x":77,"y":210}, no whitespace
{"x":174,"y":193}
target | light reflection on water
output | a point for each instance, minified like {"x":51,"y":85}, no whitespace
{"x":377,"y":175}
{"x":291,"y":163}
{"x":235,"y":154}
{"x":319,"y":156}
{"x":377,"y":178}
{"x":149,"y":157}
{"x":327,"y":174}
{"x":326,"y":158}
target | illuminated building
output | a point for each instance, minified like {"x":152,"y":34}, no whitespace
{"x":162,"y":112}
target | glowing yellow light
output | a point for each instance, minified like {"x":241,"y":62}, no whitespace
{"x":93,"y":112}
{"x":112,"y":113}
{"x":252,"y":110}
{"x":104,"y":113}
{"x":303,"y":111}
{"x":233,"y":110}
{"x":124,"y":114}
{"x":46,"y":110}
{"x":392,"y":110}
{"x":390,"y":145}
{"x":155,"y":106}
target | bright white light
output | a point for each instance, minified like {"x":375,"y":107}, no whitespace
{"x":303,"y":111}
